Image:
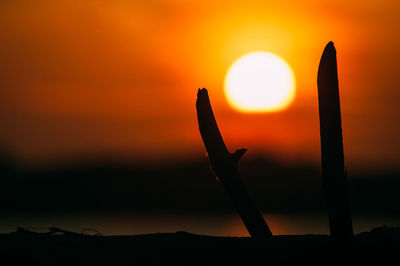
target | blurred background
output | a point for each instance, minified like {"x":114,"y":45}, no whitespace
{"x":98,"y":125}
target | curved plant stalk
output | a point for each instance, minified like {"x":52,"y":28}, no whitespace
{"x":224,"y":165}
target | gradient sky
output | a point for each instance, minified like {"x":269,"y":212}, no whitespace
{"x":83,"y":78}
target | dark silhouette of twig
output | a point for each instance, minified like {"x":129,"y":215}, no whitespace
{"x":333,"y":174}
{"x":225,"y":168}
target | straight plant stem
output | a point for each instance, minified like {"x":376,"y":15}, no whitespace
{"x":333,"y":174}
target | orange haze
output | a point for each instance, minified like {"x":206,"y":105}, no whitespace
{"x":79,"y":78}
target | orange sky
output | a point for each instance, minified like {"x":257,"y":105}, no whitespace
{"x":120,"y":77}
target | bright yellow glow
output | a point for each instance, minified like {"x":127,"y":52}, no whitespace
{"x":260,"y":82}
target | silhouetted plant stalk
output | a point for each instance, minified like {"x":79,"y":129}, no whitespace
{"x":225,"y":167}
{"x":333,"y":174}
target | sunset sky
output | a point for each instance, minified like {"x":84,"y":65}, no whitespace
{"x":120,"y":78}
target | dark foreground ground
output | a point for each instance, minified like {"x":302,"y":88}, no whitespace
{"x":380,"y":246}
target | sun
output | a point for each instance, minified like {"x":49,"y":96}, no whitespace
{"x":260,"y":82}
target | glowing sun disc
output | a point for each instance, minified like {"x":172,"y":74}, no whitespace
{"x":260,"y":82}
